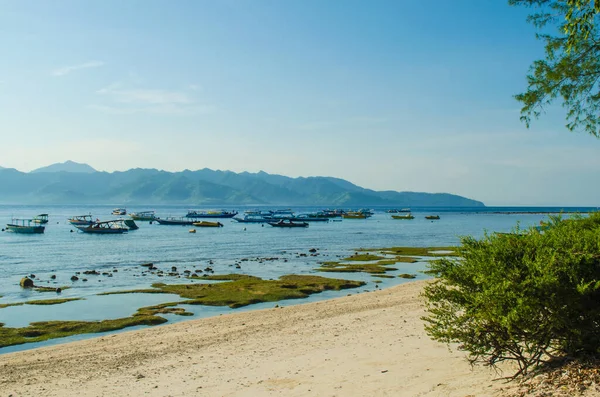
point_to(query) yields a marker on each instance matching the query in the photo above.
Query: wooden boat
(432, 217)
(105, 227)
(173, 221)
(404, 210)
(81, 220)
(24, 226)
(207, 224)
(288, 223)
(143, 216)
(407, 216)
(41, 219)
(354, 215)
(211, 214)
(119, 211)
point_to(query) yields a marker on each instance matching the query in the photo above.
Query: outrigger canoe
(105, 227)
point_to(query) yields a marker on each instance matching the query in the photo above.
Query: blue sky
(391, 95)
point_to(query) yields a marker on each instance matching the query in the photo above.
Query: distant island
(75, 183)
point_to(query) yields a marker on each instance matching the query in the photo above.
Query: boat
(407, 216)
(309, 218)
(432, 217)
(288, 223)
(143, 216)
(41, 219)
(80, 220)
(255, 218)
(25, 226)
(404, 210)
(354, 215)
(171, 220)
(105, 227)
(207, 224)
(211, 214)
(119, 211)
(392, 211)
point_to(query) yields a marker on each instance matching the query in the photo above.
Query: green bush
(530, 296)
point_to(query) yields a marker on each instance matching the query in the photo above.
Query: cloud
(145, 96)
(123, 98)
(164, 109)
(68, 69)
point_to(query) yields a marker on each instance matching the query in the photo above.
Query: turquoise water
(62, 251)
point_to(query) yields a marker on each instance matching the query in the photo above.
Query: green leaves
(571, 69)
(524, 296)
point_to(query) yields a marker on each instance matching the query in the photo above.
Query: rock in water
(26, 282)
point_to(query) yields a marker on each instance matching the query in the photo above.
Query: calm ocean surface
(61, 252)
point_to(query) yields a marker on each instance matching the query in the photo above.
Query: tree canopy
(571, 69)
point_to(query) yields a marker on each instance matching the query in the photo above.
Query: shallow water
(62, 251)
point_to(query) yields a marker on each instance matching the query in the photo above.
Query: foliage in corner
(571, 68)
(529, 296)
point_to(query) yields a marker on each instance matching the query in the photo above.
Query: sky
(389, 94)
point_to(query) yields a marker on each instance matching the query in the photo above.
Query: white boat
(119, 211)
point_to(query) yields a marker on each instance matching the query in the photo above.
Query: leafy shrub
(530, 296)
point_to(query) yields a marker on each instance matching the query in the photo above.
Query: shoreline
(372, 343)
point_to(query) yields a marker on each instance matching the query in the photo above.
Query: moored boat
(288, 223)
(81, 220)
(207, 224)
(41, 219)
(105, 227)
(309, 218)
(354, 215)
(174, 221)
(211, 214)
(119, 211)
(24, 226)
(407, 216)
(432, 217)
(143, 216)
(255, 218)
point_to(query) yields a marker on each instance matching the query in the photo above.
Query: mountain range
(74, 183)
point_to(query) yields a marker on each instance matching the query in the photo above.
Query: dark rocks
(312, 250)
(173, 268)
(26, 282)
(91, 272)
(74, 278)
(147, 265)
(53, 277)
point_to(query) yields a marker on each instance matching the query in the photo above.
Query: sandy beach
(367, 344)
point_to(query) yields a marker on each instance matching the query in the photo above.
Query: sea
(53, 257)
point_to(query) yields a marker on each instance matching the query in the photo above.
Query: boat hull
(213, 216)
(25, 229)
(174, 223)
(286, 224)
(402, 217)
(207, 224)
(92, 230)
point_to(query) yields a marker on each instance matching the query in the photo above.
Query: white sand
(368, 344)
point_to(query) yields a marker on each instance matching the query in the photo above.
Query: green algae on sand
(415, 251)
(40, 302)
(44, 330)
(248, 290)
(239, 290)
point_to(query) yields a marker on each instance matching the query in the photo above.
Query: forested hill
(202, 187)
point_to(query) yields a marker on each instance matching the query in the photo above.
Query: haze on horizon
(390, 94)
